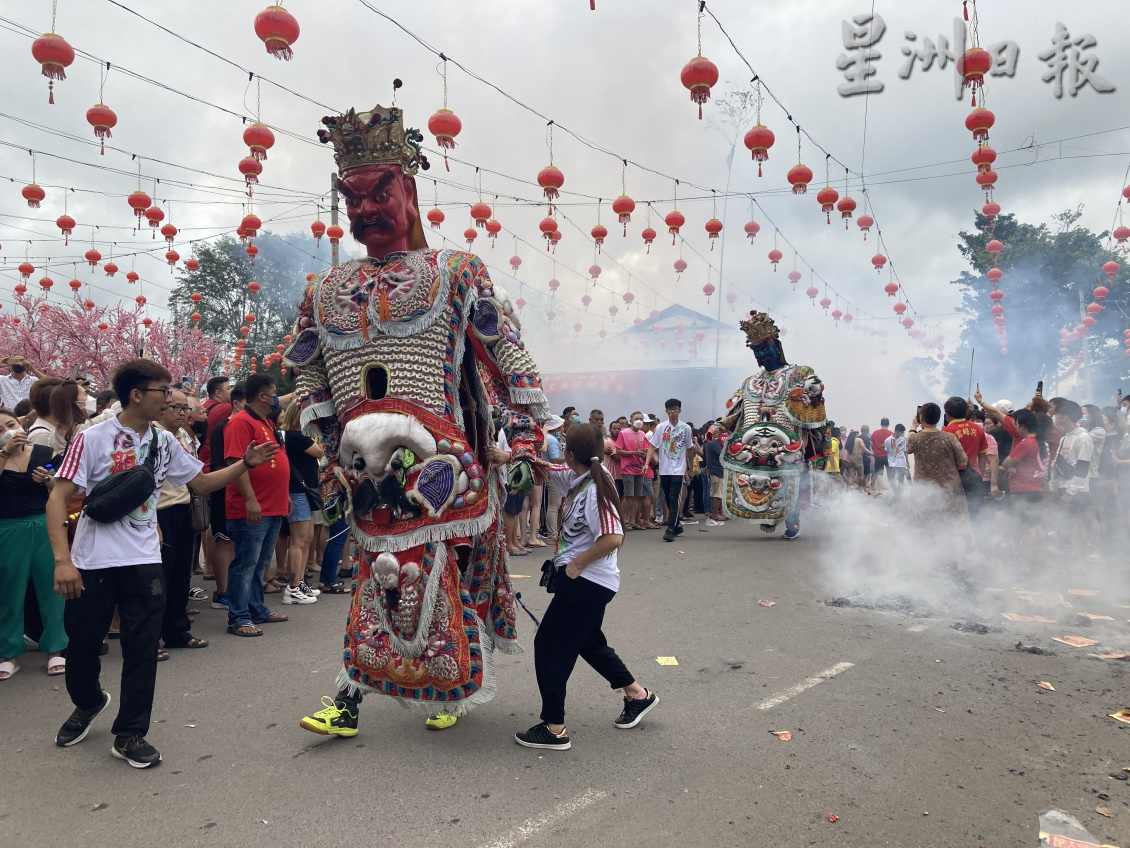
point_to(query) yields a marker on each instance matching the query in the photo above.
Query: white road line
(781, 697)
(530, 827)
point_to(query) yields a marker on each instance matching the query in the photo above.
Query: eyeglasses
(168, 393)
(180, 407)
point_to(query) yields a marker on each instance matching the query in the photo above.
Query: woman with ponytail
(587, 579)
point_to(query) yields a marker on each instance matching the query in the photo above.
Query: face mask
(637, 423)
(200, 428)
(576, 419)
(275, 405)
(91, 405)
(18, 369)
(1084, 421)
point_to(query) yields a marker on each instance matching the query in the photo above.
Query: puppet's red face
(379, 200)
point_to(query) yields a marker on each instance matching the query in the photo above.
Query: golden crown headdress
(376, 137)
(758, 328)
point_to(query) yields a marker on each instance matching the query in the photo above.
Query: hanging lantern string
(827, 169)
(32, 154)
(549, 140)
(103, 72)
(441, 69)
(54, 11)
(701, 6)
(624, 177)
(714, 199)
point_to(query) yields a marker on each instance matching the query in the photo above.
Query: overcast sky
(612, 76)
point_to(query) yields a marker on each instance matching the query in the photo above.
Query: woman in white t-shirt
(587, 579)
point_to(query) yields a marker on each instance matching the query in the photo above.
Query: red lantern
(984, 157)
(110, 268)
(846, 206)
(752, 228)
(1101, 292)
(649, 236)
(825, 302)
(759, 140)
(277, 29)
(252, 251)
(251, 168)
(66, 225)
(253, 287)
(93, 257)
(699, 75)
(837, 315)
(775, 257)
(20, 288)
(169, 232)
(1088, 322)
(811, 292)
(878, 261)
(310, 277)
(991, 210)
(996, 295)
(548, 227)
(553, 286)
(865, 223)
(75, 285)
(994, 247)
(54, 56)
(288, 338)
(594, 272)
(800, 175)
(708, 290)
(103, 326)
(470, 234)
(493, 229)
(249, 318)
(713, 228)
(973, 66)
(243, 331)
(599, 233)
(147, 321)
(260, 139)
(335, 234)
(827, 198)
(155, 216)
(1121, 234)
(140, 300)
(1094, 308)
(987, 179)
(899, 308)
(623, 206)
(628, 298)
(1111, 268)
(680, 266)
(515, 264)
(103, 119)
(191, 264)
(585, 301)
(33, 194)
(280, 348)
(979, 122)
(26, 270)
(133, 276)
(891, 288)
(520, 303)
(445, 125)
(481, 213)
(251, 224)
(794, 277)
(997, 309)
(995, 275)
(435, 218)
(551, 179)
(908, 322)
(674, 220)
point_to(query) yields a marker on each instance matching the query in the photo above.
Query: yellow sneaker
(335, 720)
(440, 722)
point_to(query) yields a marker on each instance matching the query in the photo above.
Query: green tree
(222, 280)
(1045, 268)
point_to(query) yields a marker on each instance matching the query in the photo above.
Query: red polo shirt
(878, 440)
(270, 481)
(972, 439)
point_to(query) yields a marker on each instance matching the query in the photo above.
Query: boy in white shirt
(671, 441)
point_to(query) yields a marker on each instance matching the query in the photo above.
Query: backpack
(120, 494)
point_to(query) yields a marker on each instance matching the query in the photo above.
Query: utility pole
(333, 215)
(1086, 353)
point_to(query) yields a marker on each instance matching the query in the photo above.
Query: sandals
(8, 669)
(162, 655)
(271, 589)
(333, 589)
(248, 630)
(274, 618)
(56, 666)
(197, 594)
(192, 642)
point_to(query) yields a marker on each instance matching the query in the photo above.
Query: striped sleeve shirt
(583, 523)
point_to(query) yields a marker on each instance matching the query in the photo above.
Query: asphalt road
(910, 732)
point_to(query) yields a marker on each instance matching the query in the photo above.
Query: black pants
(177, 550)
(672, 486)
(139, 593)
(571, 629)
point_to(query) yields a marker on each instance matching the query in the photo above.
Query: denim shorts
(514, 503)
(633, 485)
(648, 487)
(301, 508)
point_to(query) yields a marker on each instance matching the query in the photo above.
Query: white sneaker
(710, 522)
(297, 596)
(309, 590)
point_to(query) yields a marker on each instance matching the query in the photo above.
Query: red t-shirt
(269, 481)
(217, 412)
(878, 439)
(972, 439)
(1030, 466)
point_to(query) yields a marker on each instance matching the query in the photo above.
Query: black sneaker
(635, 709)
(75, 728)
(679, 530)
(540, 736)
(668, 536)
(135, 751)
(219, 600)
